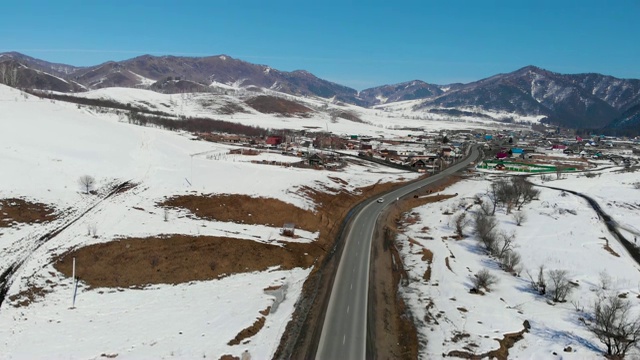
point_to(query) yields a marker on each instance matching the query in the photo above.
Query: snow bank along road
(344, 332)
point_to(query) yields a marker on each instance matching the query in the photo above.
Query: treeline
(93, 102)
(192, 124)
(141, 116)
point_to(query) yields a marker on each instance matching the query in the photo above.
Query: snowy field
(375, 122)
(561, 232)
(616, 192)
(47, 145)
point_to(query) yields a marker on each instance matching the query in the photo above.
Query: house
(502, 155)
(274, 140)
(419, 164)
(316, 160)
(288, 229)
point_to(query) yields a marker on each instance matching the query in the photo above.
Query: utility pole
(74, 284)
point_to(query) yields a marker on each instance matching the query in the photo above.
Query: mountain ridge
(585, 100)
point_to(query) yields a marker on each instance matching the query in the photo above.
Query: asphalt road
(344, 332)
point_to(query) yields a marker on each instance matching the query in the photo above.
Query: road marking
(356, 254)
(351, 287)
(347, 309)
(344, 338)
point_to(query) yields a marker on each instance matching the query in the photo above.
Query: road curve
(344, 331)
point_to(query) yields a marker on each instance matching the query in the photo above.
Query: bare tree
(529, 194)
(14, 77)
(485, 230)
(484, 279)
(460, 222)
(519, 217)
(614, 326)
(92, 230)
(9, 76)
(510, 261)
(505, 243)
(604, 280)
(487, 208)
(86, 182)
(493, 193)
(561, 287)
(4, 69)
(540, 283)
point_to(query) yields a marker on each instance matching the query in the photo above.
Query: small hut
(288, 229)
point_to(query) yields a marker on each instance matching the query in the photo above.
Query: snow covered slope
(561, 232)
(47, 145)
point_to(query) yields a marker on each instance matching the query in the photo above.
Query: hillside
(157, 274)
(511, 319)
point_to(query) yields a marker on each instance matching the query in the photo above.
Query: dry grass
(229, 357)
(14, 210)
(446, 262)
(248, 332)
(28, 296)
(274, 105)
(427, 256)
(245, 209)
(177, 259)
(266, 311)
(501, 353)
(609, 249)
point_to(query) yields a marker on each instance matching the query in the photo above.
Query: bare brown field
(245, 209)
(175, 259)
(274, 105)
(15, 210)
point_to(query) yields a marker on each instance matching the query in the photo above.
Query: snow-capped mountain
(144, 71)
(37, 64)
(410, 90)
(583, 100)
(578, 101)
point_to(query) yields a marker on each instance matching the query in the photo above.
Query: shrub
(484, 279)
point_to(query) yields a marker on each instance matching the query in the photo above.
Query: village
(550, 150)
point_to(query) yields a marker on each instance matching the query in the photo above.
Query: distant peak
(531, 68)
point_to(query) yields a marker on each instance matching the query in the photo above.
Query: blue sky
(359, 44)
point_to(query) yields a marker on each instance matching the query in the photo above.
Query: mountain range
(585, 101)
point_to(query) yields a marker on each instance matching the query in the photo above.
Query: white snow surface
(552, 235)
